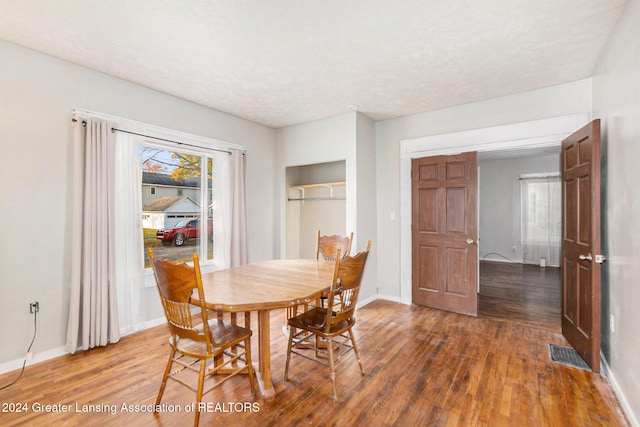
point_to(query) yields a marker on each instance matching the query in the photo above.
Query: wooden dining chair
(326, 250)
(327, 246)
(332, 323)
(195, 340)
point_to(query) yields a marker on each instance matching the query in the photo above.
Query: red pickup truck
(182, 231)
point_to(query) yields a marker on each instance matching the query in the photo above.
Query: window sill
(150, 282)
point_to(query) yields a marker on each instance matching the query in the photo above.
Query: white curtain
(128, 232)
(221, 209)
(541, 220)
(93, 311)
(239, 250)
(107, 278)
(230, 209)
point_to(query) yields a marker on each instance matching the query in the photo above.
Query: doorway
(532, 135)
(508, 288)
(580, 230)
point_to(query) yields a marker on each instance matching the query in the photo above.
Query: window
(171, 224)
(205, 170)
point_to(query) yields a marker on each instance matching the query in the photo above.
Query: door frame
(523, 135)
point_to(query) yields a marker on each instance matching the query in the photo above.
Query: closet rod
(316, 198)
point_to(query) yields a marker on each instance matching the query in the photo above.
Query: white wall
(346, 137)
(500, 215)
(557, 101)
(38, 94)
(616, 100)
(366, 204)
(320, 141)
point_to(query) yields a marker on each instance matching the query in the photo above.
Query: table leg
(264, 356)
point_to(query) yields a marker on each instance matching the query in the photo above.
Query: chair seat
(313, 320)
(333, 323)
(192, 348)
(226, 334)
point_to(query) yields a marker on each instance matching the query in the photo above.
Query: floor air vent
(567, 356)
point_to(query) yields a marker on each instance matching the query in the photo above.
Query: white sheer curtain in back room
(541, 219)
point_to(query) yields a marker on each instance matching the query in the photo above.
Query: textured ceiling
(283, 62)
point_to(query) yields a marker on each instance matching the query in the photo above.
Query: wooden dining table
(262, 287)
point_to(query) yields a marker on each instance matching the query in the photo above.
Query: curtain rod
(539, 177)
(84, 123)
(169, 140)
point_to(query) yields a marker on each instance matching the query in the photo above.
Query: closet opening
(316, 200)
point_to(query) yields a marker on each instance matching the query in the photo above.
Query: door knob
(586, 257)
(470, 242)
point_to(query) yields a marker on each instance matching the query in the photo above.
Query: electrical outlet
(34, 307)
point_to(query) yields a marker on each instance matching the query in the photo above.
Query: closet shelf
(329, 185)
(322, 184)
(294, 199)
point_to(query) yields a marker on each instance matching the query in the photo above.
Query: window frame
(206, 265)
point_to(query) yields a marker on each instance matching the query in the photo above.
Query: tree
(149, 166)
(180, 165)
(188, 166)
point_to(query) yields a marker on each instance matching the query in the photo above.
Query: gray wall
(348, 137)
(499, 200)
(557, 101)
(38, 94)
(616, 100)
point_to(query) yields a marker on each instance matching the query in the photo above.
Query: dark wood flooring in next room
(423, 367)
(520, 293)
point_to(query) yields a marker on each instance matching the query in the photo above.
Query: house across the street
(167, 211)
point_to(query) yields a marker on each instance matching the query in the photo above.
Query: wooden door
(580, 164)
(444, 232)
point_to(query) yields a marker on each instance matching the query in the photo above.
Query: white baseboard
(372, 298)
(493, 258)
(146, 325)
(12, 365)
(626, 407)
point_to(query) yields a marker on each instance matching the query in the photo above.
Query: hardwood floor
(423, 367)
(520, 293)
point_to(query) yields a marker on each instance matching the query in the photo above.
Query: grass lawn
(149, 236)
